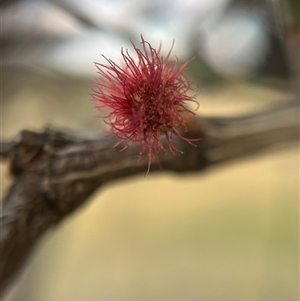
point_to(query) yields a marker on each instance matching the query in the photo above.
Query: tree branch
(55, 171)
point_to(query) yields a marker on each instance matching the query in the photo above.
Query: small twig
(55, 172)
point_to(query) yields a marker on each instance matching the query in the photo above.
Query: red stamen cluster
(145, 99)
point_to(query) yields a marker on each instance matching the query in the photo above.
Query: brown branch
(55, 172)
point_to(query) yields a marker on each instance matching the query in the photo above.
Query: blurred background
(229, 233)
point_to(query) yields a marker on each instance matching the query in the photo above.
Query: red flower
(145, 99)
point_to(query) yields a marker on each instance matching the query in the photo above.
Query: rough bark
(56, 171)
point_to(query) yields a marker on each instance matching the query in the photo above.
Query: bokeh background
(229, 233)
